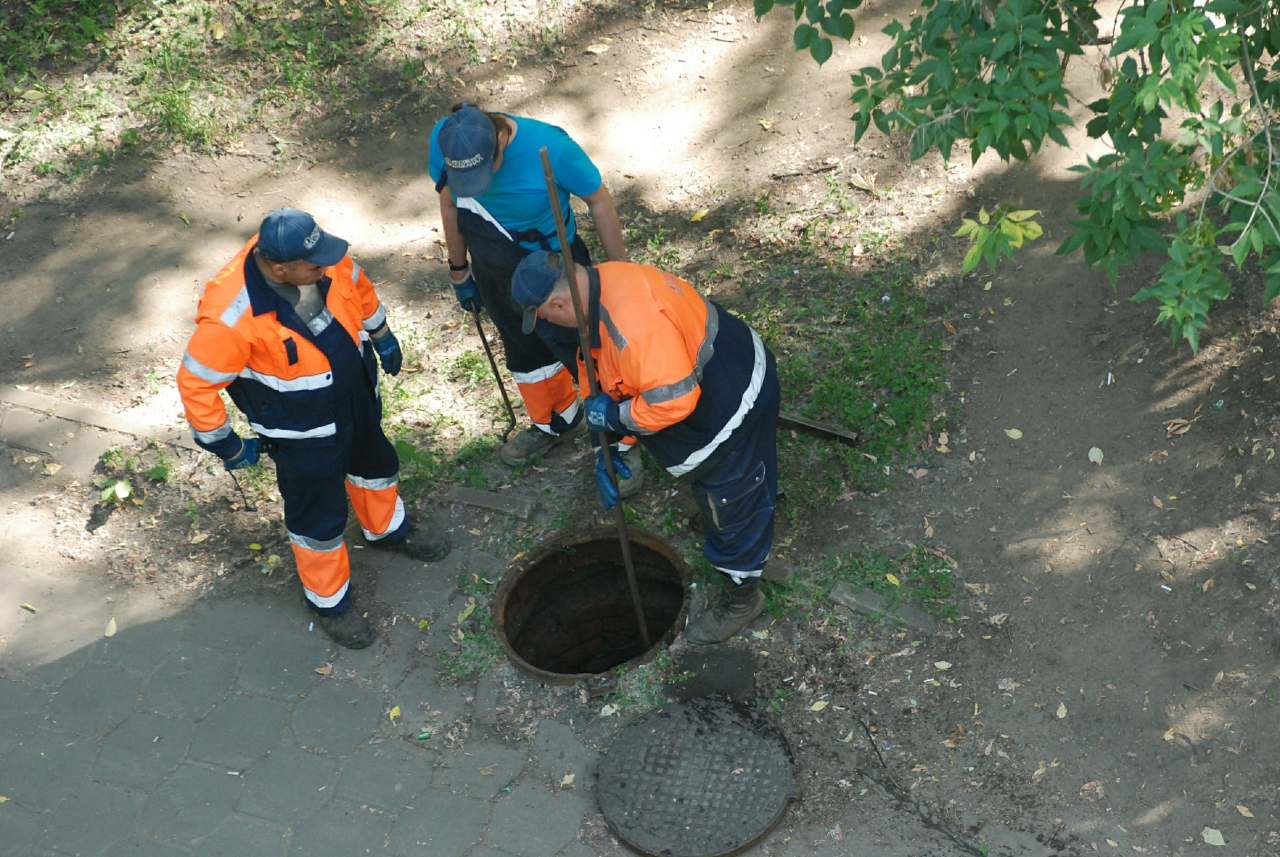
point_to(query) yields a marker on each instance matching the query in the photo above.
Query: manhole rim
(635, 536)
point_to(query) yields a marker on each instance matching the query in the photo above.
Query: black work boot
(348, 629)
(424, 543)
(729, 614)
(533, 440)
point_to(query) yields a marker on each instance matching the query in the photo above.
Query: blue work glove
(467, 293)
(247, 456)
(609, 491)
(389, 353)
(602, 413)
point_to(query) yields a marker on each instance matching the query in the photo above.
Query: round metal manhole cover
(703, 778)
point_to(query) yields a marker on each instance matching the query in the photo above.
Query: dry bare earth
(1149, 625)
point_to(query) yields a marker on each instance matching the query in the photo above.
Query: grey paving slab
(488, 692)
(143, 750)
(240, 836)
(578, 848)
(336, 717)
(34, 665)
(342, 830)
(190, 683)
(536, 820)
(21, 828)
(439, 824)
(239, 731)
(45, 768)
(410, 588)
(94, 820)
(482, 771)
(190, 804)
(147, 848)
(420, 693)
(560, 753)
(95, 700)
(231, 625)
(289, 786)
(488, 851)
(141, 647)
(386, 776)
(283, 663)
(21, 707)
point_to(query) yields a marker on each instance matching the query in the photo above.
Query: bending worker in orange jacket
(289, 329)
(699, 388)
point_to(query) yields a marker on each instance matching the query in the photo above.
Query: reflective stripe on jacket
(685, 371)
(249, 341)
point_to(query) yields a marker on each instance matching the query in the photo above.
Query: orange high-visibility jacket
(274, 373)
(684, 371)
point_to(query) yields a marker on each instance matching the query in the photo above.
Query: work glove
(467, 293)
(602, 413)
(389, 353)
(609, 491)
(247, 456)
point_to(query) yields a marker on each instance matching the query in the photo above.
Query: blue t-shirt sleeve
(435, 161)
(573, 169)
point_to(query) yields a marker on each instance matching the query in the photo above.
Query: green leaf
(820, 48)
(763, 7)
(803, 35)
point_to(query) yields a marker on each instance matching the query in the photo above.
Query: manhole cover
(703, 778)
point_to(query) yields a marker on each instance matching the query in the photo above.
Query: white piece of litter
(311, 626)
(1165, 588)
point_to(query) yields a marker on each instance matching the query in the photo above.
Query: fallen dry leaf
(893, 578)
(596, 49)
(53, 467)
(111, 628)
(327, 669)
(819, 705)
(1207, 585)
(393, 713)
(1212, 836)
(698, 215)
(951, 328)
(1095, 455)
(1014, 433)
(198, 538)
(567, 782)
(1244, 810)
(1154, 499)
(1062, 710)
(1174, 428)
(942, 665)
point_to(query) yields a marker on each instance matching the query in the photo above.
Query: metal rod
(584, 343)
(248, 507)
(497, 376)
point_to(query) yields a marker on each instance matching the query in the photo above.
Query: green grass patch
(853, 350)
(921, 576)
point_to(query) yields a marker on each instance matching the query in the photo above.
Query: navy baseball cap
(533, 282)
(467, 140)
(287, 235)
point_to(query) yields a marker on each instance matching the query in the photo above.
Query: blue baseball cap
(533, 282)
(287, 235)
(467, 140)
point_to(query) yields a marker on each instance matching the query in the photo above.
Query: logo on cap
(466, 163)
(311, 240)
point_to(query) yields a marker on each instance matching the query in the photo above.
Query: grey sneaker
(719, 621)
(533, 440)
(348, 629)
(631, 487)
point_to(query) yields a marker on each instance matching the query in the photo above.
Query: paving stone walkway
(230, 725)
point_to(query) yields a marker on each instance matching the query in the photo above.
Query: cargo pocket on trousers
(731, 505)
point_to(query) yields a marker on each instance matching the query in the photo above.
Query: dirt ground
(1115, 659)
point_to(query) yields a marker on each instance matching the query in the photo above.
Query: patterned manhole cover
(703, 778)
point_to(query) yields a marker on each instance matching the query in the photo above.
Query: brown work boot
(348, 629)
(533, 440)
(631, 487)
(424, 543)
(729, 614)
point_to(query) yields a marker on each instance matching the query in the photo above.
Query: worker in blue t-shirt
(494, 207)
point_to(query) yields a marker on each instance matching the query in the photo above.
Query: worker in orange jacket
(700, 390)
(289, 328)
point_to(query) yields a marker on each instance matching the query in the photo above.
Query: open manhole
(565, 613)
(703, 778)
